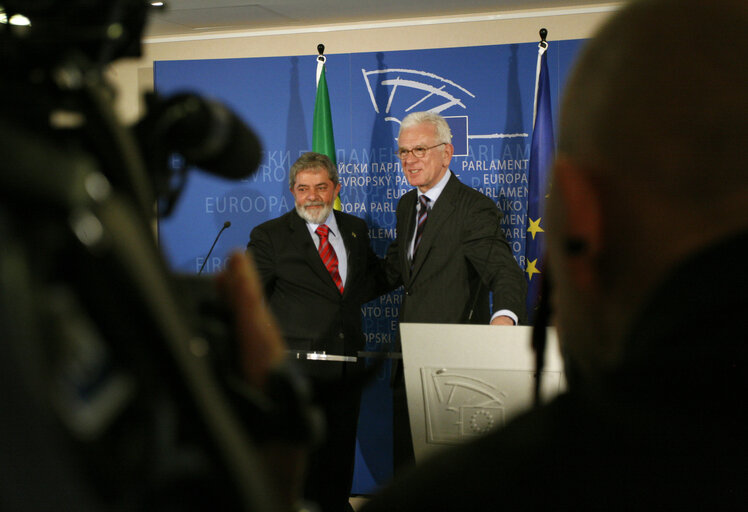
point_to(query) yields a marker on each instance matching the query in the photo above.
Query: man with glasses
(450, 251)
(649, 290)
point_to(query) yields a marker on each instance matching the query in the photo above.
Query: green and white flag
(323, 140)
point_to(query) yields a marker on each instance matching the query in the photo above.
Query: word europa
(246, 204)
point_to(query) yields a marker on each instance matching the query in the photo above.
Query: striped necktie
(423, 213)
(329, 258)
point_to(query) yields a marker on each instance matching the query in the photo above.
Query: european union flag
(541, 158)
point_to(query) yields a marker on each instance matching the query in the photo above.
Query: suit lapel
(351, 249)
(438, 215)
(303, 240)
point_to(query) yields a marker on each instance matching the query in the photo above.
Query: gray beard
(311, 218)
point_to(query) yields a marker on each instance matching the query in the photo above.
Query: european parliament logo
(396, 92)
(462, 403)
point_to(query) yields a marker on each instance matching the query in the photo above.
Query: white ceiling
(192, 17)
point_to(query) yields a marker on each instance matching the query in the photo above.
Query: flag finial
(321, 49)
(543, 34)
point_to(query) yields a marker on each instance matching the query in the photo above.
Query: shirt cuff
(506, 312)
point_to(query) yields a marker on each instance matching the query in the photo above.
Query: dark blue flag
(541, 158)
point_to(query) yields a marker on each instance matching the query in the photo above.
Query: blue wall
(487, 94)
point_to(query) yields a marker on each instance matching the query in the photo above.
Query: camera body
(125, 370)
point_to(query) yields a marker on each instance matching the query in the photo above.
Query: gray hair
(443, 133)
(313, 160)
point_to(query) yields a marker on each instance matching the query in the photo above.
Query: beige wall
(132, 77)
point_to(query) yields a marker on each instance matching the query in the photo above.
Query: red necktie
(329, 258)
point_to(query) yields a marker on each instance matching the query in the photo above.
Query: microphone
(226, 224)
(206, 133)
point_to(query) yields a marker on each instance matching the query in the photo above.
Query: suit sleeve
(392, 260)
(261, 248)
(392, 265)
(377, 282)
(489, 253)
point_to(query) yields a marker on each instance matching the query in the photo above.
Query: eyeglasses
(418, 151)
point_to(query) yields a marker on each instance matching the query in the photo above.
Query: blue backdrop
(486, 92)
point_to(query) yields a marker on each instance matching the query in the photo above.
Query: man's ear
(447, 153)
(582, 229)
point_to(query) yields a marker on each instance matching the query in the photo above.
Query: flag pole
(320, 60)
(323, 140)
(541, 155)
(542, 48)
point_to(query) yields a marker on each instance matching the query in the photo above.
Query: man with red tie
(318, 269)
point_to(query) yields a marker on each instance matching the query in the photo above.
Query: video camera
(116, 381)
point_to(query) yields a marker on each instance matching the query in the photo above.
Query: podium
(465, 380)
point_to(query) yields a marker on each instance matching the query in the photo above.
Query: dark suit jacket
(462, 256)
(311, 312)
(313, 315)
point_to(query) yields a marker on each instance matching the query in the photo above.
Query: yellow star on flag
(535, 227)
(531, 268)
